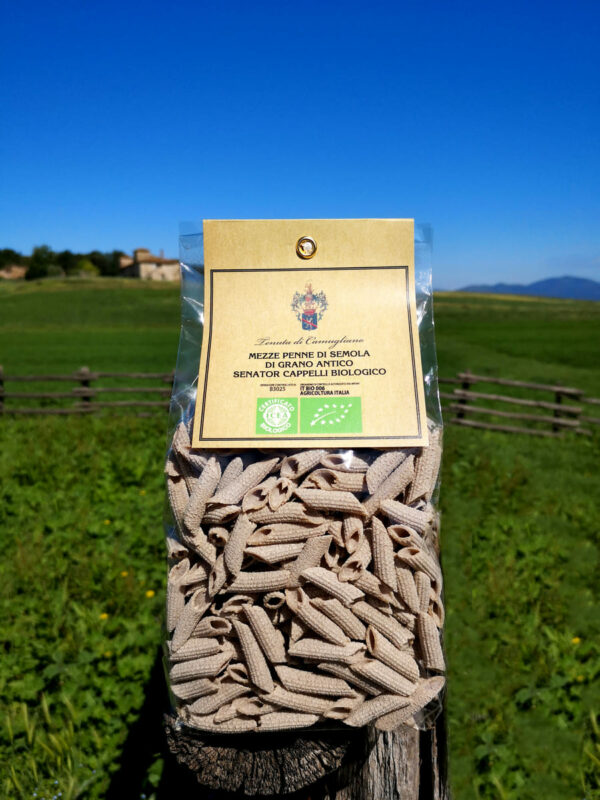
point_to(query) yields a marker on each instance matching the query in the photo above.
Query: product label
(310, 336)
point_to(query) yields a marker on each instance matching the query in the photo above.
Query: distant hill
(568, 288)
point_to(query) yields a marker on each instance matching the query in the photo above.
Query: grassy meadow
(82, 569)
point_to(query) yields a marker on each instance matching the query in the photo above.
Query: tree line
(46, 263)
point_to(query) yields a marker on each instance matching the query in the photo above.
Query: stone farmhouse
(13, 272)
(149, 267)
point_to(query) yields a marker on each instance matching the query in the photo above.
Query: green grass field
(82, 572)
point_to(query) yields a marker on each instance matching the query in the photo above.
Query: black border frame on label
(253, 442)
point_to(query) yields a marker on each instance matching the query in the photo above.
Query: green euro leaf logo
(329, 416)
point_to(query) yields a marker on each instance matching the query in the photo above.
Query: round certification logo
(276, 415)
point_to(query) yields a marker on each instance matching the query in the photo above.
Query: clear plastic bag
(284, 612)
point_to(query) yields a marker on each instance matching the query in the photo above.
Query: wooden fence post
(84, 377)
(465, 386)
(556, 413)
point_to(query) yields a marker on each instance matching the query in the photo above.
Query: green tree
(9, 256)
(42, 257)
(67, 261)
(87, 267)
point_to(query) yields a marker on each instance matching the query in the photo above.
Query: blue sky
(119, 120)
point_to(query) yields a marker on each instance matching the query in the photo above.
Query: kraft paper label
(315, 352)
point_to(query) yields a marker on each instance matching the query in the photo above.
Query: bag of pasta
(304, 583)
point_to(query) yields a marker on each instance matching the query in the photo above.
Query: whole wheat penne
(310, 556)
(250, 477)
(342, 616)
(284, 533)
(373, 709)
(391, 629)
(331, 501)
(353, 531)
(172, 468)
(189, 690)
(346, 462)
(255, 707)
(282, 720)
(407, 589)
(406, 515)
(314, 619)
(212, 626)
(233, 470)
(420, 561)
(274, 553)
(189, 618)
(258, 669)
(423, 588)
(304, 681)
(227, 712)
(383, 650)
(298, 464)
(383, 465)
(280, 493)
(383, 555)
(218, 576)
(204, 488)
(218, 536)
(393, 720)
(429, 643)
(181, 444)
(318, 650)
(238, 673)
(206, 667)
(343, 707)
(356, 563)
(176, 550)
(234, 549)
(178, 499)
(273, 600)
(305, 703)
(346, 593)
(260, 581)
(335, 529)
(332, 558)
(234, 606)
(297, 630)
(196, 647)
(426, 469)
(426, 690)
(381, 674)
(344, 672)
(175, 595)
(405, 618)
(329, 479)
(405, 536)
(210, 703)
(220, 515)
(392, 486)
(207, 723)
(202, 547)
(371, 585)
(257, 497)
(292, 513)
(436, 611)
(269, 638)
(198, 573)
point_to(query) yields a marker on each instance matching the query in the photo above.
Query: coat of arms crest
(309, 307)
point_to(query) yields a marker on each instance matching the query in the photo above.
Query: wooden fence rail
(570, 409)
(565, 402)
(87, 398)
